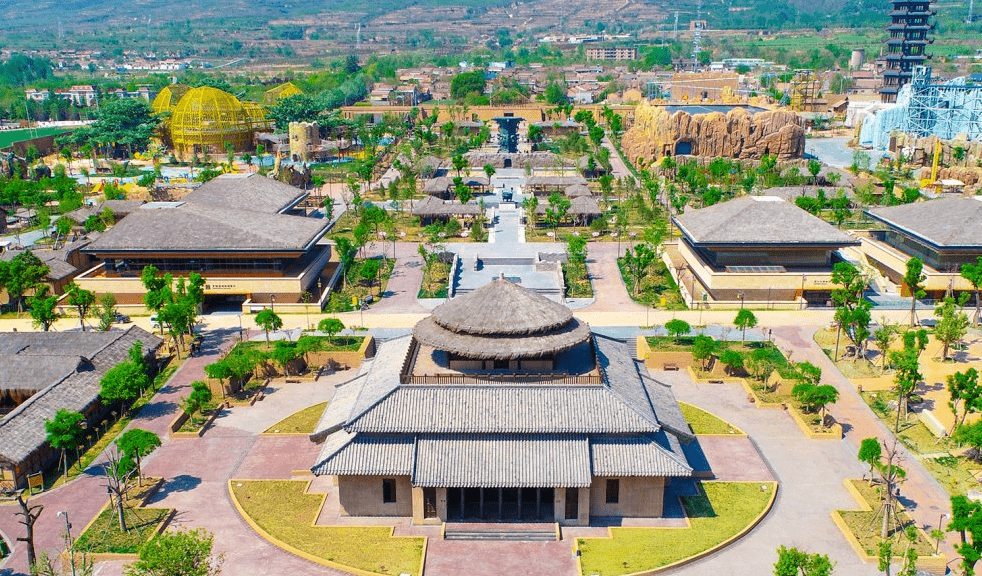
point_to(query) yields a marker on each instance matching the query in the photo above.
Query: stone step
(502, 535)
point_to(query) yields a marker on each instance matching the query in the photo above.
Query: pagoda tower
(910, 30)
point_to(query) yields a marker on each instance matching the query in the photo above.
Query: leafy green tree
(870, 453)
(136, 444)
(952, 326)
(369, 272)
(124, 382)
(467, 83)
(815, 397)
(556, 212)
(196, 401)
(914, 280)
(106, 311)
(973, 273)
(761, 363)
(966, 519)
(183, 553)
(852, 313)
(127, 123)
(970, 435)
(330, 326)
(733, 361)
(346, 255)
(44, 311)
(677, 328)
(809, 373)
(65, 432)
(81, 299)
(489, 171)
(295, 108)
(965, 395)
(703, 348)
(794, 562)
(906, 378)
(556, 93)
(269, 322)
(22, 274)
(744, 319)
(884, 336)
(638, 263)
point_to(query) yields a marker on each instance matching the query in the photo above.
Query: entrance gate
(501, 504)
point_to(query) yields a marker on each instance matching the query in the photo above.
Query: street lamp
(272, 302)
(71, 543)
(941, 519)
(240, 327)
(741, 295)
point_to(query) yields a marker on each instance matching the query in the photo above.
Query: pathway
(610, 294)
(619, 170)
(83, 497)
(407, 277)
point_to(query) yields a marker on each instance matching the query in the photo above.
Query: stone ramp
(502, 532)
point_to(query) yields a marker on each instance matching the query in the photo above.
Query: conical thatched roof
(502, 321)
(502, 308)
(577, 190)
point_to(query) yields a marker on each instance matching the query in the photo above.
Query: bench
(292, 380)
(670, 366)
(715, 381)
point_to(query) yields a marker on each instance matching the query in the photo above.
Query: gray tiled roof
(252, 192)
(620, 374)
(36, 372)
(947, 222)
(502, 409)
(635, 456)
(338, 409)
(22, 431)
(383, 376)
(345, 453)
(209, 228)
(666, 407)
(759, 220)
(493, 461)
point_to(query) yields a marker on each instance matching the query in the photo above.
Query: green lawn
(865, 525)
(105, 536)
(8, 137)
(302, 422)
(286, 512)
(703, 422)
(436, 280)
(721, 512)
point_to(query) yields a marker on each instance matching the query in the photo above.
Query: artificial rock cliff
(736, 134)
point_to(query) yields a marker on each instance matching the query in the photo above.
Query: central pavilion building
(501, 406)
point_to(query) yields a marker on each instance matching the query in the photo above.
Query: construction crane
(928, 182)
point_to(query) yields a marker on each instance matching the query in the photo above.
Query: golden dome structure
(206, 118)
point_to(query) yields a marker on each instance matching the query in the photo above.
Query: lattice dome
(168, 97)
(282, 91)
(206, 118)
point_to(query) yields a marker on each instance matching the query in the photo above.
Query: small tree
(884, 336)
(809, 373)
(136, 444)
(117, 485)
(744, 319)
(733, 361)
(490, 171)
(914, 278)
(677, 328)
(966, 518)
(973, 273)
(965, 394)
(269, 321)
(870, 453)
(184, 553)
(905, 379)
(330, 326)
(44, 311)
(815, 398)
(638, 263)
(369, 272)
(703, 348)
(196, 401)
(82, 300)
(106, 311)
(794, 562)
(952, 326)
(64, 432)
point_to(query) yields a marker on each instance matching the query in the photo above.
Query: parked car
(121, 318)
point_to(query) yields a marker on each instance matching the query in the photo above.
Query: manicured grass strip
(104, 534)
(286, 512)
(703, 422)
(8, 137)
(723, 511)
(302, 422)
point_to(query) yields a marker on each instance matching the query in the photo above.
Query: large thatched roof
(502, 321)
(577, 190)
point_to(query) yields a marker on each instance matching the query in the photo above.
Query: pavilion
(501, 406)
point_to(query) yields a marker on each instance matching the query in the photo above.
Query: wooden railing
(450, 379)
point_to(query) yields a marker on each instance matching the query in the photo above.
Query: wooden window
(613, 490)
(388, 490)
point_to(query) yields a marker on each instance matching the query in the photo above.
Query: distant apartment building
(81, 95)
(142, 92)
(611, 53)
(37, 95)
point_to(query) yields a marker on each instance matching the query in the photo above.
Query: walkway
(619, 170)
(83, 497)
(403, 287)
(610, 294)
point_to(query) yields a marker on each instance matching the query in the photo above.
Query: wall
(362, 496)
(583, 509)
(639, 498)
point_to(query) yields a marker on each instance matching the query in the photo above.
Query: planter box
(833, 432)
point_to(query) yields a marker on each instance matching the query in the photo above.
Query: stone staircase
(502, 532)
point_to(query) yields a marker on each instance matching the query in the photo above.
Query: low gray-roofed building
(249, 191)
(24, 449)
(431, 208)
(549, 184)
(505, 428)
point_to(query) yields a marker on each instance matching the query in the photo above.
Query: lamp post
(941, 519)
(71, 543)
(240, 327)
(272, 302)
(741, 295)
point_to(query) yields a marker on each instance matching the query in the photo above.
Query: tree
(884, 336)
(184, 553)
(733, 361)
(29, 516)
(870, 453)
(196, 401)
(970, 435)
(703, 348)
(466, 84)
(117, 484)
(914, 278)
(966, 518)
(44, 311)
(794, 562)
(64, 432)
(809, 373)
(21, 274)
(638, 263)
(677, 328)
(761, 363)
(973, 273)
(136, 444)
(905, 379)
(295, 108)
(814, 167)
(559, 206)
(106, 311)
(81, 299)
(966, 395)
(952, 326)
(369, 271)
(744, 319)
(123, 383)
(852, 310)
(127, 123)
(330, 326)
(269, 322)
(489, 171)
(815, 397)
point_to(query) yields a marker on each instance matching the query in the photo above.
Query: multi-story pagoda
(909, 29)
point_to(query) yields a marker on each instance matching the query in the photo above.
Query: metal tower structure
(943, 110)
(910, 30)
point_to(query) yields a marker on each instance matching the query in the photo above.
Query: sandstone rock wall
(736, 134)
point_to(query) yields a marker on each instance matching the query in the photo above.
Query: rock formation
(736, 134)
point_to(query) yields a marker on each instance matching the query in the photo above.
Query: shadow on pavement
(182, 483)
